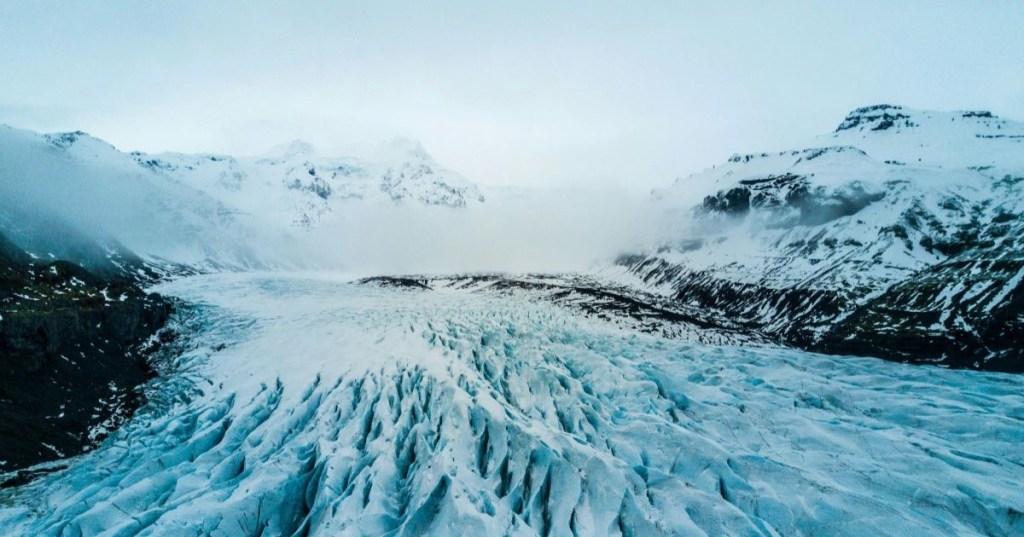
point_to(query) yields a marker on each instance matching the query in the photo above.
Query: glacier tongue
(306, 405)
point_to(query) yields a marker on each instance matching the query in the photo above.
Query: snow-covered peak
(882, 117)
(877, 143)
(877, 117)
(302, 186)
(77, 141)
(74, 197)
(894, 201)
(401, 148)
(80, 145)
(957, 139)
(390, 152)
(883, 190)
(292, 150)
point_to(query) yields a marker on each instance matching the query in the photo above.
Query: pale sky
(530, 93)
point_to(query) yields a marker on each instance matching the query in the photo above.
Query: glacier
(302, 404)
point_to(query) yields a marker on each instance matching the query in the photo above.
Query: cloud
(520, 231)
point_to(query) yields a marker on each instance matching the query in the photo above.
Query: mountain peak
(882, 117)
(401, 146)
(295, 148)
(878, 117)
(65, 139)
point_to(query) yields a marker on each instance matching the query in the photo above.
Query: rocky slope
(898, 236)
(70, 355)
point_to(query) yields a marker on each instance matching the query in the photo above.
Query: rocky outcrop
(878, 117)
(966, 312)
(963, 313)
(71, 361)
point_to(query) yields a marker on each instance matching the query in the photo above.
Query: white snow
(296, 186)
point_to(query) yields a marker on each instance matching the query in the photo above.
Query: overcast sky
(607, 93)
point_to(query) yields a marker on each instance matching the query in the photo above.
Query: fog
(542, 231)
(45, 197)
(75, 203)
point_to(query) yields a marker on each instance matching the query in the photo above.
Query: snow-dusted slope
(74, 197)
(314, 407)
(298, 187)
(896, 235)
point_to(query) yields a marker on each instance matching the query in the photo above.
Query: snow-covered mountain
(302, 188)
(309, 404)
(74, 197)
(896, 235)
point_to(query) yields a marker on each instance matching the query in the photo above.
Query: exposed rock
(879, 117)
(70, 356)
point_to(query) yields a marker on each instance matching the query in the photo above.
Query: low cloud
(525, 231)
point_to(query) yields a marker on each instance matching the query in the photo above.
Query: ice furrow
(348, 410)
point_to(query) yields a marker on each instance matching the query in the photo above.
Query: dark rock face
(64, 140)
(966, 312)
(788, 315)
(396, 282)
(735, 201)
(879, 117)
(315, 185)
(790, 194)
(70, 358)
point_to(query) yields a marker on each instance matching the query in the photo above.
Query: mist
(77, 203)
(542, 231)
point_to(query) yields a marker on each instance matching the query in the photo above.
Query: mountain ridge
(827, 246)
(76, 197)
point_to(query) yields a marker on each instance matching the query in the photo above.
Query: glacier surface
(307, 405)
